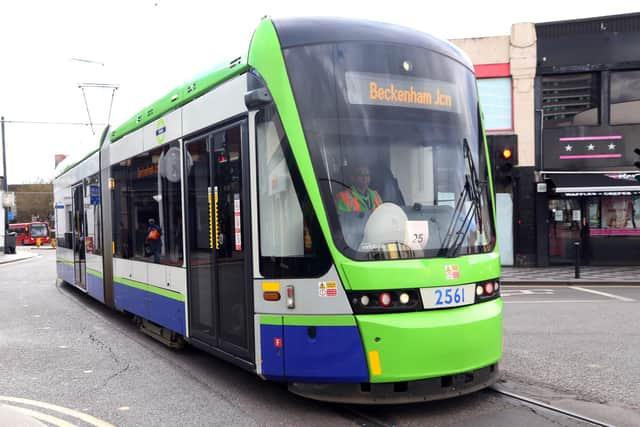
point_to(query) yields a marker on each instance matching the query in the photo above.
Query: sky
(61, 60)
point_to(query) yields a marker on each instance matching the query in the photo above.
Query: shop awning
(594, 183)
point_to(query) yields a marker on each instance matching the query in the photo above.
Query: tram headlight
(404, 298)
(364, 300)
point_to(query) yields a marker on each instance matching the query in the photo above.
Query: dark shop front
(587, 127)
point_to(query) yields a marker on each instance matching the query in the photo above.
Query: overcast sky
(148, 47)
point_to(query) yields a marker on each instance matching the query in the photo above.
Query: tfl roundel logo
(161, 131)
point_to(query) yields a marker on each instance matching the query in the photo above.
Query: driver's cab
(411, 217)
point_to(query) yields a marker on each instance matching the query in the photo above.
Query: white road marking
(49, 419)
(527, 292)
(550, 301)
(604, 294)
(70, 412)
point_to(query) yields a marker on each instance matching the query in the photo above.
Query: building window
(625, 97)
(571, 100)
(495, 100)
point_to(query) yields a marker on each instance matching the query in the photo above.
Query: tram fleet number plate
(449, 296)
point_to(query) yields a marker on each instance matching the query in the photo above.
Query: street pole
(4, 170)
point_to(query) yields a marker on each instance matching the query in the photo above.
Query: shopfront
(587, 100)
(600, 212)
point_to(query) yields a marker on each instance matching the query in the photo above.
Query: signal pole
(4, 171)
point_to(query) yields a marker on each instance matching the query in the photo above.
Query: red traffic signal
(506, 153)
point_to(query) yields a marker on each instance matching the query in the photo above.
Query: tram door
(217, 224)
(78, 233)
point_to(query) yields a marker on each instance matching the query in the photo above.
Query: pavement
(566, 275)
(23, 252)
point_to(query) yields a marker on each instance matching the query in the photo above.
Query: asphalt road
(59, 347)
(576, 346)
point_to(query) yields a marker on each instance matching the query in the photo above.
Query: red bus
(29, 232)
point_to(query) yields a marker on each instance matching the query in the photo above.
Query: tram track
(538, 404)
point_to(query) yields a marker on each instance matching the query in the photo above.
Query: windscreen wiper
(461, 219)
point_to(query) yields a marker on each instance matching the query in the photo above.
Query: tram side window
(148, 187)
(625, 97)
(68, 236)
(291, 241)
(93, 240)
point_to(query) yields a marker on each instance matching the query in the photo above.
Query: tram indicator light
(506, 153)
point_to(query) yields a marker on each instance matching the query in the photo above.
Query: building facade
(574, 94)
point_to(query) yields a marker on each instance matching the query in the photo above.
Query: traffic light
(504, 157)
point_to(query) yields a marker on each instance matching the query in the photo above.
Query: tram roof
(295, 32)
(291, 32)
(181, 95)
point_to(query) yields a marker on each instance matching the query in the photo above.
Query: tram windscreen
(396, 146)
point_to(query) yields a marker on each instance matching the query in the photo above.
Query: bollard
(38, 242)
(577, 266)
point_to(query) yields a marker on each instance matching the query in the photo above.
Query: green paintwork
(265, 55)
(68, 168)
(95, 273)
(428, 344)
(148, 288)
(345, 320)
(420, 273)
(181, 96)
(64, 261)
(268, 319)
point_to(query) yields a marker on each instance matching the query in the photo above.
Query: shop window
(614, 216)
(625, 97)
(571, 100)
(495, 100)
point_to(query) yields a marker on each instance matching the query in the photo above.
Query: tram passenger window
(291, 241)
(93, 240)
(148, 186)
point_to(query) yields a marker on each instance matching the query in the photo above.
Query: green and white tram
(325, 211)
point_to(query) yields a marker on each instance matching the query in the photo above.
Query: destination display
(401, 91)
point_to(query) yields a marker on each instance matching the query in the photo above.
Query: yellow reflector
(392, 248)
(271, 296)
(374, 362)
(270, 286)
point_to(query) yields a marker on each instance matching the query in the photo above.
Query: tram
(324, 213)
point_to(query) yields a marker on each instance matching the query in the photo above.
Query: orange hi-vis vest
(353, 203)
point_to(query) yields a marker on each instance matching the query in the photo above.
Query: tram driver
(359, 197)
